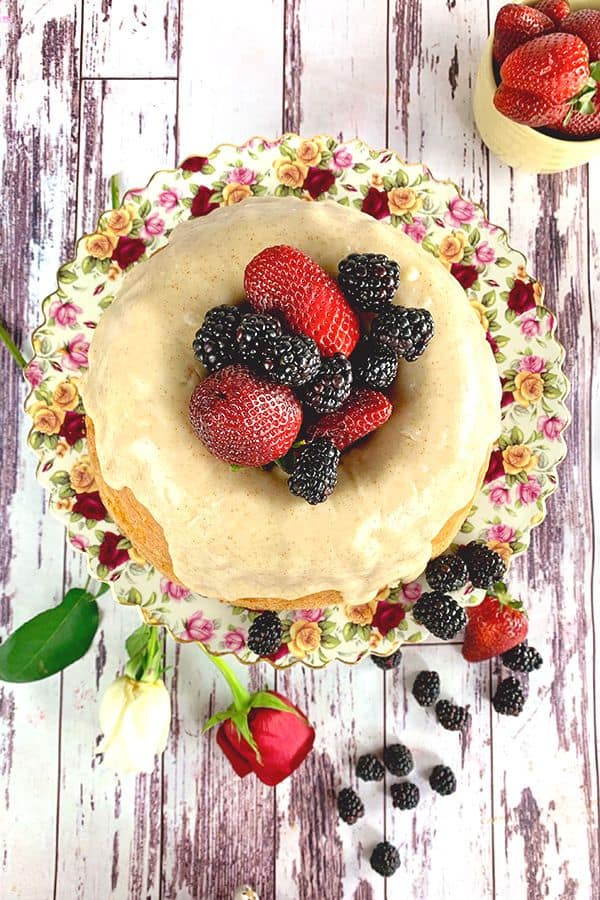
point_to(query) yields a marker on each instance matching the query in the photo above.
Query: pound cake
(238, 533)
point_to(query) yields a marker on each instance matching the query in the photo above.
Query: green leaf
(138, 640)
(134, 596)
(474, 237)
(360, 168)
(329, 641)
(502, 262)
(401, 178)
(144, 209)
(88, 265)
(217, 719)
(50, 641)
(266, 700)
(66, 275)
(104, 587)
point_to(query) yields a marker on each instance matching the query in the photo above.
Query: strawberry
(554, 66)
(582, 125)
(495, 626)
(283, 279)
(585, 23)
(244, 419)
(362, 413)
(557, 10)
(515, 25)
(528, 109)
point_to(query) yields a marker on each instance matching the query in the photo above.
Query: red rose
(90, 506)
(194, 163)
(465, 275)
(492, 342)
(73, 428)
(283, 739)
(128, 251)
(110, 555)
(387, 616)
(520, 298)
(318, 181)
(202, 204)
(495, 468)
(376, 204)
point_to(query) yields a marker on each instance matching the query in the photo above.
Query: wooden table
(94, 87)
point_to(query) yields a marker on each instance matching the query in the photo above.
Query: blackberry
(369, 280)
(509, 698)
(439, 614)
(331, 386)
(374, 366)
(385, 859)
(253, 331)
(387, 662)
(350, 806)
(451, 717)
(314, 475)
(485, 566)
(446, 573)
(404, 330)
(442, 780)
(426, 688)
(291, 359)
(214, 344)
(405, 795)
(398, 759)
(369, 768)
(264, 636)
(522, 658)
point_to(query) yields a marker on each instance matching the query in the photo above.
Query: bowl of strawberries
(537, 93)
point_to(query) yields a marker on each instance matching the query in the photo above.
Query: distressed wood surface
(94, 87)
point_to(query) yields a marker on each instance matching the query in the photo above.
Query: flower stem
(241, 697)
(12, 347)
(114, 191)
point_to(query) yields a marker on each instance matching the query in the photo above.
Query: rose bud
(262, 733)
(135, 718)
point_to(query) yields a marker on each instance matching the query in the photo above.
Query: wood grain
(163, 80)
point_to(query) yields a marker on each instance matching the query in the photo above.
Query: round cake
(238, 534)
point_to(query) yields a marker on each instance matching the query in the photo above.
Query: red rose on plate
(73, 428)
(495, 467)
(128, 251)
(202, 204)
(318, 181)
(465, 275)
(283, 737)
(521, 297)
(110, 554)
(376, 204)
(90, 506)
(194, 163)
(387, 616)
(492, 342)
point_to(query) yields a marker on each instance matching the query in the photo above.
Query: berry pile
(289, 373)
(547, 61)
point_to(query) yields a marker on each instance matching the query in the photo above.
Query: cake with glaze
(239, 535)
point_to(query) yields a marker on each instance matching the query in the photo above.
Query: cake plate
(507, 300)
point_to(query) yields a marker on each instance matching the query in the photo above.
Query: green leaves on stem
(52, 640)
(145, 654)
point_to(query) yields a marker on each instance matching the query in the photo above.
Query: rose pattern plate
(508, 302)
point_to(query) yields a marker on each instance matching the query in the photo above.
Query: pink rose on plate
(460, 211)
(529, 491)
(197, 628)
(168, 199)
(499, 496)
(64, 313)
(531, 327)
(308, 615)
(33, 373)
(412, 591)
(485, 253)
(532, 363)
(417, 229)
(550, 426)
(503, 533)
(79, 542)
(153, 226)
(173, 590)
(241, 175)
(76, 352)
(342, 158)
(235, 640)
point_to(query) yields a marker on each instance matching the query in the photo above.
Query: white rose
(245, 893)
(135, 718)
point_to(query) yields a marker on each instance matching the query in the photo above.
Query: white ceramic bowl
(518, 145)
